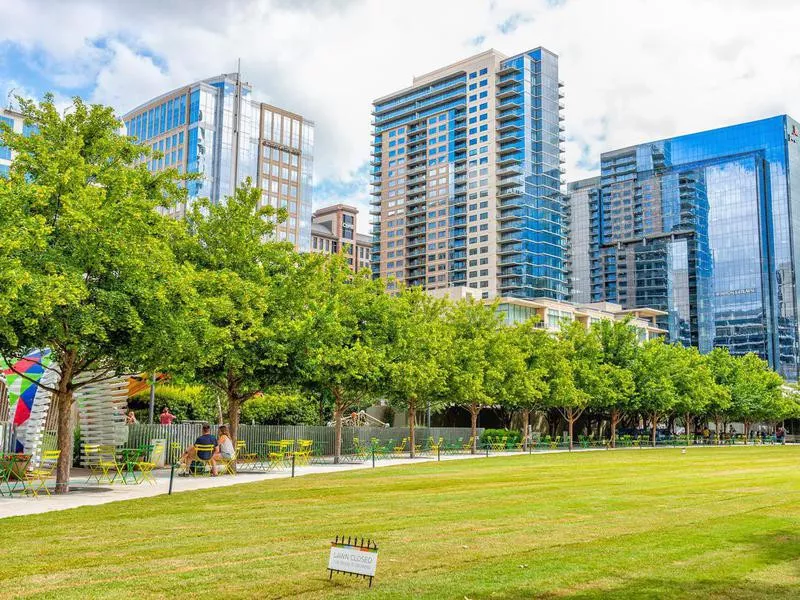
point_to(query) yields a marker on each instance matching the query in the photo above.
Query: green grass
(713, 523)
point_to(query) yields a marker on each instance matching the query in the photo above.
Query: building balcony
(509, 91)
(509, 159)
(506, 126)
(506, 115)
(508, 70)
(504, 226)
(510, 283)
(510, 170)
(509, 104)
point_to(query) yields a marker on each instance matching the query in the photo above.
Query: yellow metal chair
(91, 454)
(244, 458)
(402, 447)
(175, 451)
(36, 479)
(204, 462)
(227, 465)
(302, 456)
(468, 446)
(146, 467)
(109, 468)
(277, 457)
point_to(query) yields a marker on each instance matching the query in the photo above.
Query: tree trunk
(526, 413)
(412, 421)
(686, 424)
(234, 412)
(338, 409)
(571, 422)
(747, 426)
(63, 403)
(614, 421)
(474, 409)
(716, 426)
(654, 423)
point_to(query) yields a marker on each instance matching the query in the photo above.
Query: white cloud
(634, 69)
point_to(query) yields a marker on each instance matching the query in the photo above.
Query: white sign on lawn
(350, 559)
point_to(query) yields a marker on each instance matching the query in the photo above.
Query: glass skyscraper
(213, 127)
(704, 226)
(467, 175)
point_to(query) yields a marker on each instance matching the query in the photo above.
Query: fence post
(292, 464)
(373, 458)
(438, 453)
(487, 450)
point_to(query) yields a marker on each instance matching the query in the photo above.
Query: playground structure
(100, 406)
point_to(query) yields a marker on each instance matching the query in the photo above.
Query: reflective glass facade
(466, 176)
(702, 226)
(214, 127)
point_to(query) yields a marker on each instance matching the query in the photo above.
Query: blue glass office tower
(467, 175)
(214, 127)
(704, 226)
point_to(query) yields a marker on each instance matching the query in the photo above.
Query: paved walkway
(83, 494)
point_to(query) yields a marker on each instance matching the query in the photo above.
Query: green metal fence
(323, 437)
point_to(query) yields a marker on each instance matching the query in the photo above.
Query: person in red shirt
(166, 417)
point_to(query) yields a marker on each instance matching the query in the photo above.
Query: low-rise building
(334, 229)
(552, 313)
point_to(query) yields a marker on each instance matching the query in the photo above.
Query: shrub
(186, 402)
(279, 408)
(512, 435)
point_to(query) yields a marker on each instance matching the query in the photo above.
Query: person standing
(780, 435)
(166, 417)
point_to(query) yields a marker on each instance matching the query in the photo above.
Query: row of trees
(93, 269)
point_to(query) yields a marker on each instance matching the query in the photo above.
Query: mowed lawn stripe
(682, 525)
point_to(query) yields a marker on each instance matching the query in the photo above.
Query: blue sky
(634, 69)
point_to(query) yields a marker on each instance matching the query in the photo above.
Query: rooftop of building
(325, 210)
(454, 69)
(208, 81)
(628, 149)
(11, 112)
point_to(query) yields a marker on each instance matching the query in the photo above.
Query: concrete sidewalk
(83, 494)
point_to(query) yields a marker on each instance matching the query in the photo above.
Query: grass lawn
(713, 523)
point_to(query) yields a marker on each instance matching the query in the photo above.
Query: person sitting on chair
(206, 439)
(225, 448)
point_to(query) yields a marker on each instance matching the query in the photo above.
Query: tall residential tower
(467, 175)
(213, 127)
(704, 227)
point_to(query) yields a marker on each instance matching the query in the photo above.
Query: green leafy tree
(417, 354)
(755, 392)
(615, 393)
(345, 338)
(94, 276)
(582, 351)
(474, 367)
(248, 315)
(693, 383)
(723, 369)
(655, 389)
(525, 385)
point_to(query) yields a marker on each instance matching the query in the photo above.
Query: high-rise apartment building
(335, 229)
(467, 175)
(214, 127)
(704, 227)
